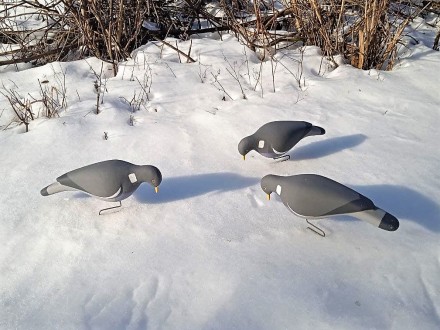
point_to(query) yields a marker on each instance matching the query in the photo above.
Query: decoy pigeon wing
(105, 179)
(283, 135)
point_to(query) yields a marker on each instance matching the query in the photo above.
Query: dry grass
(366, 33)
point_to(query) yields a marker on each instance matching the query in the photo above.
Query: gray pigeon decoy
(314, 196)
(110, 180)
(274, 139)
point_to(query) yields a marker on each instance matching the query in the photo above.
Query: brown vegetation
(366, 33)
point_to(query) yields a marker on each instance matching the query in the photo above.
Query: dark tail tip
(44, 192)
(321, 129)
(316, 130)
(389, 222)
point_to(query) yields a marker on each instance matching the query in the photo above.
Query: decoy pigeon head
(246, 144)
(149, 174)
(269, 184)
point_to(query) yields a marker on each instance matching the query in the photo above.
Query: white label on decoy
(132, 177)
(261, 144)
(279, 190)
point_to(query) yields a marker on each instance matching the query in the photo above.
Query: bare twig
(189, 58)
(234, 72)
(219, 85)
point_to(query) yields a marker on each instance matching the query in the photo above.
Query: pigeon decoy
(314, 196)
(274, 139)
(110, 180)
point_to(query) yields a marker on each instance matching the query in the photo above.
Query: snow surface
(209, 251)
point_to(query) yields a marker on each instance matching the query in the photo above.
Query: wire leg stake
(111, 208)
(280, 158)
(316, 229)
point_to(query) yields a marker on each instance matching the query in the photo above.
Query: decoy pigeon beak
(268, 197)
(244, 157)
(156, 189)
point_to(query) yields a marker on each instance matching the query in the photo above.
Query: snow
(209, 251)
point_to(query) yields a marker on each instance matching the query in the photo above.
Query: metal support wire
(111, 208)
(316, 229)
(280, 158)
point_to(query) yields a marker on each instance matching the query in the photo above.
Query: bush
(366, 33)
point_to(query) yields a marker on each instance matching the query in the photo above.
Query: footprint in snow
(255, 200)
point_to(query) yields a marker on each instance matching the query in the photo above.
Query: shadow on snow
(184, 187)
(326, 147)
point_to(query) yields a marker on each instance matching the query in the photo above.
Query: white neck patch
(132, 177)
(261, 144)
(278, 190)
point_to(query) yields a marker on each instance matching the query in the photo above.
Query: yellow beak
(268, 197)
(244, 157)
(156, 189)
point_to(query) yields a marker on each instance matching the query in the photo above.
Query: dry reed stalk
(360, 59)
(436, 41)
(316, 10)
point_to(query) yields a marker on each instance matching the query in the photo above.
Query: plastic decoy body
(314, 196)
(110, 180)
(276, 138)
